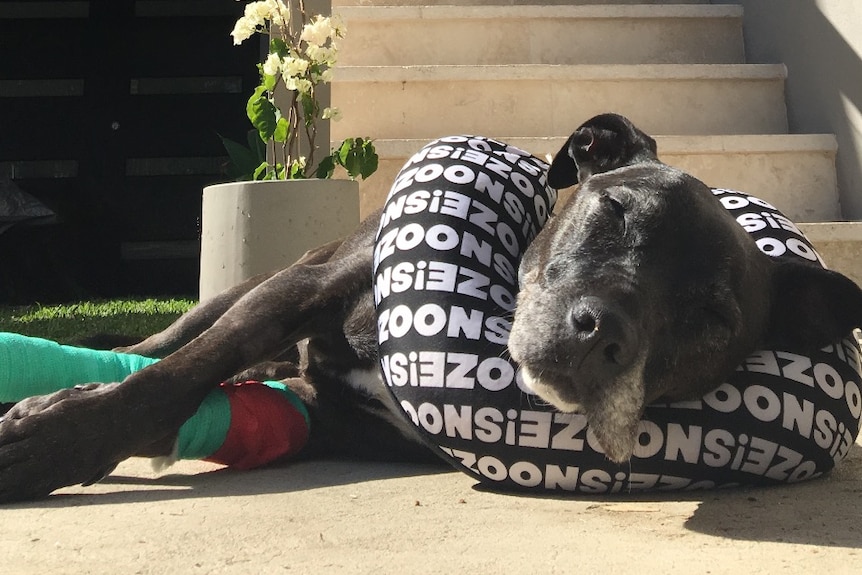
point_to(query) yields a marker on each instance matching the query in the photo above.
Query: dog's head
(645, 287)
(602, 143)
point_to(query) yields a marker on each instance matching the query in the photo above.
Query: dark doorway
(110, 114)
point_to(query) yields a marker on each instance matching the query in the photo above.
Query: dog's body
(607, 321)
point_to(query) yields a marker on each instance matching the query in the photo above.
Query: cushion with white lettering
(458, 217)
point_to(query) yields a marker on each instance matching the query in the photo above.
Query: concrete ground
(347, 517)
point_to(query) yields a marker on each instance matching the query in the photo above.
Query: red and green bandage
(243, 426)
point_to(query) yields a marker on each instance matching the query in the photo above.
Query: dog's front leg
(201, 317)
(194, 322)
(75, 436)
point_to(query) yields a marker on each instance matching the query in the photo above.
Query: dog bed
(445, 284)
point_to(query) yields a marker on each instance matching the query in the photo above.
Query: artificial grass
(77, 322)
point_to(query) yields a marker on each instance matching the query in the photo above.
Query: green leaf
(296, 172)
(282, 128)
(370, 160)
(310, 108)
(279, 46)
(358, 156)
(269, 82)
(256, 144)
(344, 151)
(243, 161)
(326, 167)
(262, 113)
(259, 92)
(261, 172)
(353, 164)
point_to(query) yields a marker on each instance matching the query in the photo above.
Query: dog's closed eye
(616, 206)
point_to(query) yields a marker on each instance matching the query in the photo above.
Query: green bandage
(33, 366)
(204, 432)
(243, 425)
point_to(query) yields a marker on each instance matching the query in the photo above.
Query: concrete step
(336, 3)
(550, 100)
(421, 35)
(796, 173)
(839, 244)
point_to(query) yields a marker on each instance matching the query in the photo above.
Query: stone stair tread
(411, 35)
(660, 98)
(783, 169)
(464, 3)
(839, 243)
(838, 230)
(550, 72)
(520, 11)
(667, 144)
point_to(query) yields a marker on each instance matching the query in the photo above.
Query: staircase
(530, 73)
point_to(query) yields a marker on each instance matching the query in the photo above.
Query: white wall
(820, 41)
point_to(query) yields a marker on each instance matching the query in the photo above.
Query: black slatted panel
(111, 113)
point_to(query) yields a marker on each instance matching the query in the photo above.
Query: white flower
(258, 10)
(303, 86)
(300, 85)
(256, 16)
(322, 77)
(272, 65)
(295, 66)
(279, 14)
(318, 31)
(339, 28)
(333, 114)
(321, 55)
(243, 30)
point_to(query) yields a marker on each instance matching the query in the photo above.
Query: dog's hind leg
(193, 322)
(74, 436)
(201, 317)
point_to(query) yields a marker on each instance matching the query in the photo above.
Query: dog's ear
(651, 144)
(602, 143)
(571, 162)
(564, 170)
(811, 306)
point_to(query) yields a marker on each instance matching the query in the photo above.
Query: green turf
(69, 323)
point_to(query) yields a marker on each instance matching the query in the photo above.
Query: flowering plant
(302, 53)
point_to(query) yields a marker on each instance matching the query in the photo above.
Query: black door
(110, 114)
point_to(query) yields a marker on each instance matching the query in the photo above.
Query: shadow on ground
(823, 512)
(224, 482)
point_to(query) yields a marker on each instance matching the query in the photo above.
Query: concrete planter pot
(249, 228)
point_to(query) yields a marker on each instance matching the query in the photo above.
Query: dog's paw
(50, 441)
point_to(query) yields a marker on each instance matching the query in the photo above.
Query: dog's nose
(602, 335)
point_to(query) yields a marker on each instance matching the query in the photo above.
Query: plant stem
(302, 12)
(293, 151)
(311, 134)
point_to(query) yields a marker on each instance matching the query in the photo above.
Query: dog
(642, 287)
(664, 292)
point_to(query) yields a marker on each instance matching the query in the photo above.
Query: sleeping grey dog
(641, 287)
(644, 287)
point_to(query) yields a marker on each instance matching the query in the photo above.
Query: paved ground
(338, 517)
